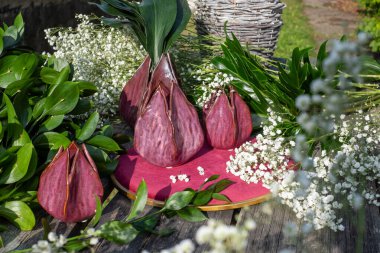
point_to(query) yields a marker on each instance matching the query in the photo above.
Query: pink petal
(188, 131)
(84, 186)
(154, 133)
(132, 94)
(52, 191)
(243, 117)
(221, 124)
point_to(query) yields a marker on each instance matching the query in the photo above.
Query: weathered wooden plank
(154, 243)
(268, 236)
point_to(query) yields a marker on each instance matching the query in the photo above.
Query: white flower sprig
(104, 55)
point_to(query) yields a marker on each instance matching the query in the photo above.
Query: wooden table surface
(267, 237)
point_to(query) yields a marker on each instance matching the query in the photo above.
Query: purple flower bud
(228, 121)
(167, 131)
(69, 185)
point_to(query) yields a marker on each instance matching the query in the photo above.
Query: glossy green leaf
(107, 130)
(159, 18)
(83, 106)
(103, 162)
(182, 18)
(98, 213)
(19, 214)
(52, 76)
(19, 168)
(51, 123)
(221, 185)
(62, 100)
(22, 108)
(209, 179)
(118, 232)
(179, 200)
(89, 127)
(16, 135)
(18, 86)
(221, 197)
(51, 140)
(104, 142)
(1, 45)
(140, 201)
(32, 166)
(19, 23)
(203, 197)
(13, 68)
(38, 108)
(192, 214)
(87, 88)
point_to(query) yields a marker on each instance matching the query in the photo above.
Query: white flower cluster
(106, 56)
(185, 246)
(219, 237)
(266, 159)
(180, 177)
(209, 82)
(338, 179)
(53, 243)
(224, 238)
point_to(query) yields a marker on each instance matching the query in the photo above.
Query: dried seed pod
(227, 120)
(69, 185)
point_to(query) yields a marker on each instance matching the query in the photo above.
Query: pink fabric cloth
(132, 169)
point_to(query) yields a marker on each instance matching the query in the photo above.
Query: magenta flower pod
(167, 132)
(69, 185)
(227, 121)
(132, 94)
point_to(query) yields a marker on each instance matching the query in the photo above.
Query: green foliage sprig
(38, 100)
(157, 23)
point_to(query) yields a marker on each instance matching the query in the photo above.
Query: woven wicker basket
(256, 22)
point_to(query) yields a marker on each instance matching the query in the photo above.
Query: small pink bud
(69, 185)
(228, 121)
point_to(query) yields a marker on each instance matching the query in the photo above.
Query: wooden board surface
(267, 237)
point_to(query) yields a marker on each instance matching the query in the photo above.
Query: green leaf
(62, 100)
(52, 76)
(19, 214)
(83, 106)
(203, 197)
(32, 166)
(211, 178)
(98, 213)
(182, 18)
(1, 48)
(19, 23)
(221, 185)
(179, 200)
(13, 68)
(18, 86)
(87, 88)
(118, 232)
(159, 18)
(51, 123)
(104, 142)
(221, 197)
(107, 130)
(51, 140)
(22, 108)
(191, 214)
(38, 108)
(19, 168)
(89, 127)
(103, 162)
(140, 201)
(16, 133)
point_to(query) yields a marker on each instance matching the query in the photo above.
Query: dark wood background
(41, 14)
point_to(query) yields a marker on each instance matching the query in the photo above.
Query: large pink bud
(167, 131)
(228, 121)
(69, 185)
